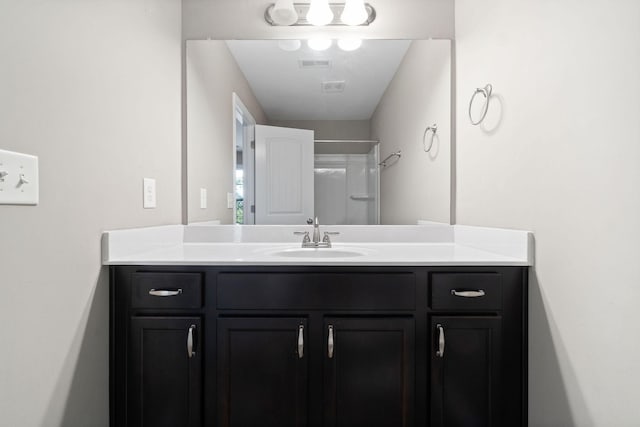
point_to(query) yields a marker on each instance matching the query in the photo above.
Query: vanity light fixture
(349, 45)
(320, 12)
(319, 44)
(354, 12)
(283, 13)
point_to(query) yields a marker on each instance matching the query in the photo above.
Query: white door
(284, 175)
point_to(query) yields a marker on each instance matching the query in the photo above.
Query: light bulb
(319, 13)
(289, 45)
(349, 44)
(283, 13)
(319, 44)
(354, 12)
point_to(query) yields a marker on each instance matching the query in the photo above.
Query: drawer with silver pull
(166, 290)
(466, 291)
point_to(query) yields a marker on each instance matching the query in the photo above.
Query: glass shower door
(346, 188)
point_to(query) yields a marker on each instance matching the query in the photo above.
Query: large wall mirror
(282, 130)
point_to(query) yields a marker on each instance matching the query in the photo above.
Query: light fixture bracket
(336, 8)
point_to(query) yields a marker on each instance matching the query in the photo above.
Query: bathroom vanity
(199, 338)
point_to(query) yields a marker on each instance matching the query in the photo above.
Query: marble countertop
(420, 245)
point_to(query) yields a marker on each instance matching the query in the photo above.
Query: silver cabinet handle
(468, 294)
(190, 351)
(300, 341)
(165, 292)
(440, 352)
(330, 343)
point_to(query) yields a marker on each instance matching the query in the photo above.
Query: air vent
(335, 86)
(315, 63)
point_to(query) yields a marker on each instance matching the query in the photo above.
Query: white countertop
(420, 245)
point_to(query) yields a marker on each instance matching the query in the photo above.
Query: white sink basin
(318, 253)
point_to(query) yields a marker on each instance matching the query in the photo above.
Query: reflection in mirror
(243, 136)
(354, 107)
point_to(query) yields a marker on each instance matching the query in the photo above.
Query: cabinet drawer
(328, 291)
(466, 291)
(166, 290)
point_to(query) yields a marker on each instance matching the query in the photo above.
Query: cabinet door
(165, 372)
(262, 372)
(369, 372)
(465, 371)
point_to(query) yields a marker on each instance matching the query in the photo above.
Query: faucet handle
(326, 238)
(306, 238)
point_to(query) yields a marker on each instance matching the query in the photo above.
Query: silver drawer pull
(190, 351)
(330, 343)
(468, 294)
(165, 292)
(440, 351)
(300, 341)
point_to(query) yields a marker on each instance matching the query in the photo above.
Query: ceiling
(288, 92)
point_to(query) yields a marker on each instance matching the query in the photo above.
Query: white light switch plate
(203, 198)
(18, 179)
(231, 200)
(149, 193)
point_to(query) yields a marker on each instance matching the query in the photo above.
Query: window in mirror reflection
(239, 196)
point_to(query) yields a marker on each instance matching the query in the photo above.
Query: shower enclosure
(346, 182)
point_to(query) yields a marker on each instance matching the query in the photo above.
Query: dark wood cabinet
(165, 372)
(369, 372)
(262, 372)
(466, 371)
(318, 346)
(478, 361)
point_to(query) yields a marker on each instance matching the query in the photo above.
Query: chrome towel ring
(486, 92)
(433, 129)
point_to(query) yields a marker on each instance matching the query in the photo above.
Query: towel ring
(434, 129)
(486, 92)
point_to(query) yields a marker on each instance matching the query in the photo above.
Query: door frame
(248, 129)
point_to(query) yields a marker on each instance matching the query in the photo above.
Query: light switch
(18, 179)
(231, 200)
(203, 198)
(149, 193)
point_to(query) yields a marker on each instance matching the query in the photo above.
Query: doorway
(244, 161)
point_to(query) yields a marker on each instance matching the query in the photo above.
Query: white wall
(329, 129)
(244, 19)
(564, 162)
(212, 77)
(418, 185)
(93, 88)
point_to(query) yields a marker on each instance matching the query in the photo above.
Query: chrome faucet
(314, 242)
(316, 231)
